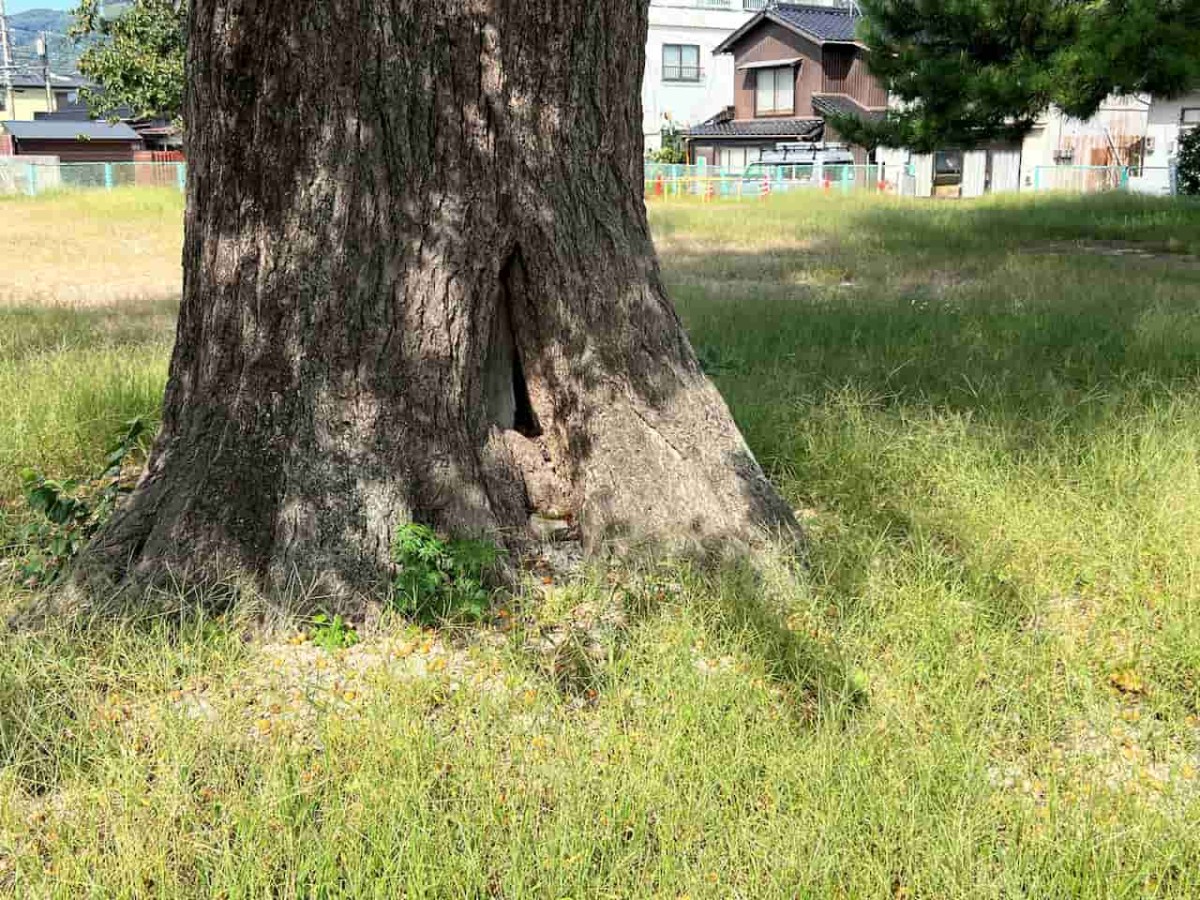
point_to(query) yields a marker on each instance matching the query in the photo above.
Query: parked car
(814, 153)
(792, 166)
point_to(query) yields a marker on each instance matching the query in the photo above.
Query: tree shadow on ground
(905, 317)
(1036, 340)
(29, 330)
(740, 607)
(745, 600)
(67, 657)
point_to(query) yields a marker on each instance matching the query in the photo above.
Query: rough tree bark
(419, 285)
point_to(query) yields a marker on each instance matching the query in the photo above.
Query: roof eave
(795, 29)
(726, 46)
(750, 138)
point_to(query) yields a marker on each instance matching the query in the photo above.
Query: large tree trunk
(419, 285)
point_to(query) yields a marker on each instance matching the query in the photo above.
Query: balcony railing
(682, 73)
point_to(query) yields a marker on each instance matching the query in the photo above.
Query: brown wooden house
(793, 66)
(74, 141)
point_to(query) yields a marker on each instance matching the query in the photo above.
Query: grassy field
(985, 684)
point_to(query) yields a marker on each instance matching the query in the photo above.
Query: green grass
(985, 684)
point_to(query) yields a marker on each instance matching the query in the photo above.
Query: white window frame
(781, 76)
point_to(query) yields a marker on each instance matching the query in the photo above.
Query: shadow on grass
(1036, 341)
(65, 668)
(1169, 224)
(740, 602)
(742, 609)
(29, 330)
(959, 319)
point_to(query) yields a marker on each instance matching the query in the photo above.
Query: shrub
(1188, 162)
(439, 579)
(673, 151)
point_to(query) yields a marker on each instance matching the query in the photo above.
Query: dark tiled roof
(841, 105)
(825, 23)
(81, 112)
(69, 131)
(767, 128)
(728, 114)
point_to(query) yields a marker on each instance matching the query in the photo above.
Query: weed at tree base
(441, 580)
(69, 512)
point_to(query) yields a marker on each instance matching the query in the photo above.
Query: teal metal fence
(662, 181)
(18, 176)
(1095, 179)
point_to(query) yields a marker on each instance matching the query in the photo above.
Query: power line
(62, 49)
(62, 52)
(6, 58)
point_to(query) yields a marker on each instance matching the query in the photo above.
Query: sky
(16, 6)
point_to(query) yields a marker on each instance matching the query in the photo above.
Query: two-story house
(793, 65)
(26, 93)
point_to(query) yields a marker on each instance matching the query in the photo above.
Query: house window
(736, 157)
(947, 167)
(681, 62)
(1189, 115)
(775, 91)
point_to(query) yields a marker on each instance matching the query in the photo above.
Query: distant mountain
(25, 26)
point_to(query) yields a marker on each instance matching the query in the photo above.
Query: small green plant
(672, 151)
(68, 513)
(441, 580)
(674, 156)
(332, 634)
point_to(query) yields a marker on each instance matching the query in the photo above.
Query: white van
(791, 166)
(816, 153)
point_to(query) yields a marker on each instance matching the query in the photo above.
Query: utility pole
(43, 51)
(6, 62)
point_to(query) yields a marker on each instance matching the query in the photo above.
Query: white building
(684, 83)
(1064, 153)
(1167, 119)
(1128, 143)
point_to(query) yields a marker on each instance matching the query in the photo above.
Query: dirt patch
(1125, 250)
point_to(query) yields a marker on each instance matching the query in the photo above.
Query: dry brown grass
(126, 249)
